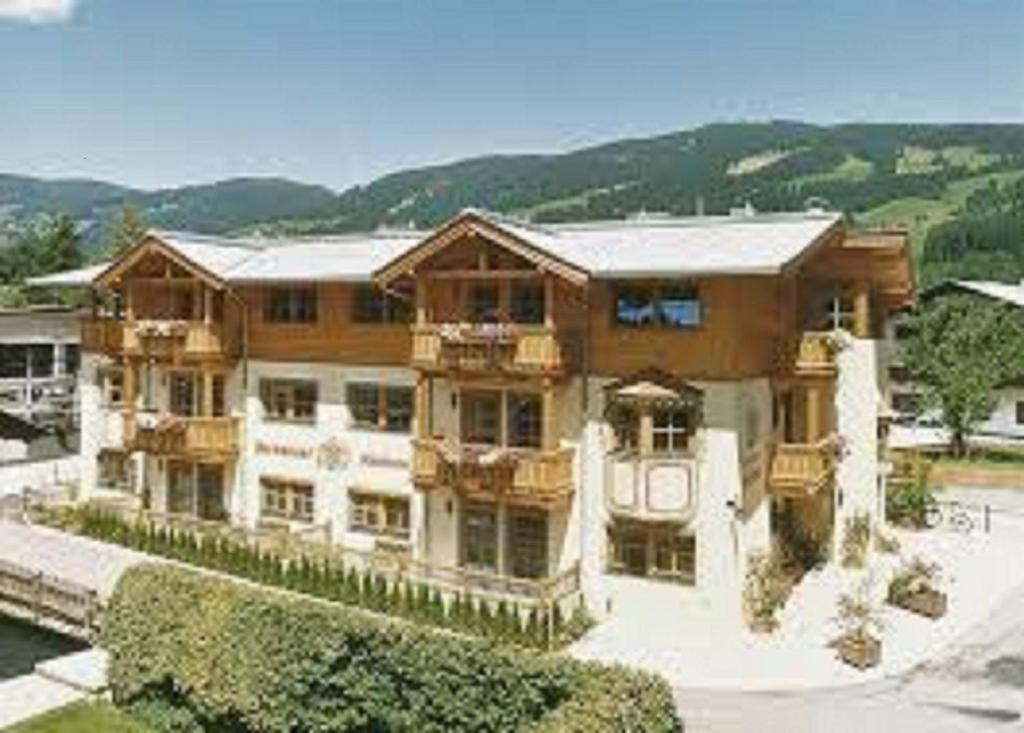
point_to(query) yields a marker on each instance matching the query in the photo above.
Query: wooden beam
(482, 274)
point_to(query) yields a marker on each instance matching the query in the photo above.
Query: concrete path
(93, 564)
(54, 684)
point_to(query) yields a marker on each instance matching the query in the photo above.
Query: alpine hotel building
(636, 406)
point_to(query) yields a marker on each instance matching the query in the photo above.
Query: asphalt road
(978, 685)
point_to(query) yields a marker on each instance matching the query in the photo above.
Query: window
(290, 305)
(480, 537)
(1020, 412)
(384, 515)
(679, 306)
(527, 303)
(218, 395)
(42, 356)
(112, 386)
(185, 394)
(651, 550)
(671, 306)
(483, 303)
(528, 544)
(669, 431)
(525, 424)
(287, 499)
(481, 417)
(372, 305)
(72, 358)
(634, 307)
(909, 403)
(839, 313)
(289, 399)
(380, 407)
(112, 467)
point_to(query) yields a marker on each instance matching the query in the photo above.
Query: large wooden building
(636, 405)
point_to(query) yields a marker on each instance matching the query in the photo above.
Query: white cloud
(37, 11)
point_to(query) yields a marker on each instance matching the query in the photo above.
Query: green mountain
(957, 187)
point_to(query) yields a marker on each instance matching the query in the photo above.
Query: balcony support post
(421, 303)
(422, 407)
(549, 300)
(813, 416)
(861, 311)
(207, 406)
(549, 438)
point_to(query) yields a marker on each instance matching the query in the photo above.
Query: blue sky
(164, 92)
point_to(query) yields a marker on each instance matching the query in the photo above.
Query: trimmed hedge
(506, 622)
(190, 652)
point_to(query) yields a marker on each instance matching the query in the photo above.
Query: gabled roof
(82, 277)
(350, 258)
(645, 247)
(201, 256)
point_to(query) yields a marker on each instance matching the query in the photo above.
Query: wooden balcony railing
(525, 475)
(469, 347)
(812, 354)
(802, 469)
(184, 436)
(162, 340)
(102, 335)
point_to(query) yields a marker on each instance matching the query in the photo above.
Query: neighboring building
(1007, 419)
(39, 361)
(639, 404)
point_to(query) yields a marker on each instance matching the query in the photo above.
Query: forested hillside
(957, 187)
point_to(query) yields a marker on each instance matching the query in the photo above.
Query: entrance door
(480, 537)
(180, 488)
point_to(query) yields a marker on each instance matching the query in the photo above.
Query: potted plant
(913, 588)
(859, 644)
(765, 591)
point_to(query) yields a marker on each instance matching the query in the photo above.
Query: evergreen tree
(124, 231)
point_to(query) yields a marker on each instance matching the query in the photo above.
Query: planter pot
(763, 625)
(862, 652)
(929, 602)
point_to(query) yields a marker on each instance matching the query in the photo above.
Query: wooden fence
(47, 598)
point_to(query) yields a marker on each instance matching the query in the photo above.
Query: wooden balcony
(196, 437)
(812, 354)
(802, 469)
(518, 474)
(160, 340)
(511, 348)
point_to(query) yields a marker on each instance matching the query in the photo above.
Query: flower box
(926, 602)
(860, 650)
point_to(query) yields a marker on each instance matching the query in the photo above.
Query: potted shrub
(913, 587)
(765, 591)
(859, 644)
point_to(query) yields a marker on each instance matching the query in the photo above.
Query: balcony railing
(489, 347)
(530, 476)
(803, 469)
(812, 354)
(184, 436)
(162, 340)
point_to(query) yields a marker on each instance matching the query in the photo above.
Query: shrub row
(191, 653)
(503, 621)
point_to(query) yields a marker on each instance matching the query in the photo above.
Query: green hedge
(199, 653)
(502, 621)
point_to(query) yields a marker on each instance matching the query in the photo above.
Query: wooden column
(207, 406)
(422, 407)
(549, 300)
(862, 311)
(646, 436)
(549, 427)
(812, 418)
(207, 305)
(421, 303)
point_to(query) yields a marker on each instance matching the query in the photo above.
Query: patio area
(979, 570)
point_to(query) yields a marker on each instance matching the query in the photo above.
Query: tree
(56, 246)
(124, 231)
(961, 349)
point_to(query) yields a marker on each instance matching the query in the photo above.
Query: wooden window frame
(272, 387)
(373, 306)
(654, 295)
(677, 438)
(386, 410)
(373, 513)
(291, 500)
(299, 307)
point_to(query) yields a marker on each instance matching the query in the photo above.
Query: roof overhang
(473, 223)
(152, 243)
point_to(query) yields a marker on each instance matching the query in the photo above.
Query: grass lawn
(82, 717)
(1007, 458)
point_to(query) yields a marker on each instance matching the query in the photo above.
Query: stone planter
(927, 602)
(860, 650)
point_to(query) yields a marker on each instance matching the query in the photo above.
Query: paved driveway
(978, 685)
